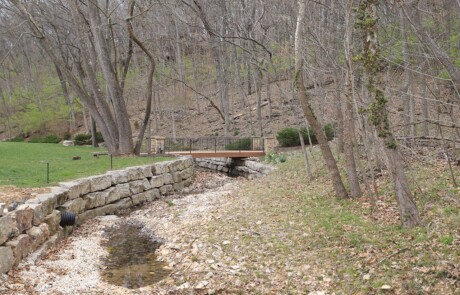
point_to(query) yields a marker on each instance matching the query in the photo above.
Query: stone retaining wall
(248, 168)
(34, 226)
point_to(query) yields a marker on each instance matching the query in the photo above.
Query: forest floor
(282, 234)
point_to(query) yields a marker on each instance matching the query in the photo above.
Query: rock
(134, 173)
(100, 182)
(178, 186)
(152, 195)
(166, 190)
(76, 188)
(146, 185)
(24, 217)
(120, 191)
(167, 178)
(21, 247)
(157, 181)
(38, 235)
(51, 242)
(147, 171)
(96, 199)
(40, 212)
(386, 287)
(136, 187)
(74, 206)
(139, 198)
(68, 143)
(201, 285)
(6, 228)
(2, 208)
(118, 177)
(62, 195)
(367, 277)
(53, 220)
(6, 259)
(184, 286)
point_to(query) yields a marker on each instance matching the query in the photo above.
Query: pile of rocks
(35, 225)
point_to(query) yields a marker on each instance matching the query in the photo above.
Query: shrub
(85, 138)
(82, 139)
(241, 144)
(17, 138)
(52, 138)
(290, 137)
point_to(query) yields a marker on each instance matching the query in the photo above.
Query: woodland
(385, 73)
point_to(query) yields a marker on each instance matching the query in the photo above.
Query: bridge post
(269, 144)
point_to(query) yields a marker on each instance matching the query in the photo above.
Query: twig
(392, 255)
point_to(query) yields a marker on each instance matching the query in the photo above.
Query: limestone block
(96, 199)
(177, 176)
(123, 204)
(21, 247)
(187, 182)
(118, 176)
(2, 208)
(53, 220)
(75, 206)
(7, 228)
(40, 212)
(118, 192)
(100, 182)
(6, 259)
(139, 198)
(136, 187)
(83, 217)
(157, 181)
(161, 168)
(146, 184)
(147, 171)
(153, 194)
(62, 195)
(167, 178)
(77, 188)
(179, 186)
(134, 173)
(258, 167)
(166, 190)
(24, 217)
(38, 235)
(187, 173)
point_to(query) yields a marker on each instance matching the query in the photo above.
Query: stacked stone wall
(35, 225)
(248, 168)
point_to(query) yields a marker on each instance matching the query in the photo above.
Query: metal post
(215, 145)
(190, 145)
(111, 162)
(48, 172)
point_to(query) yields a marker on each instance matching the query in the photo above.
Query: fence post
(48, 172)
(215, 145)
(190, 145)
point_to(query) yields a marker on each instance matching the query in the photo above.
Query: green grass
(24, 164)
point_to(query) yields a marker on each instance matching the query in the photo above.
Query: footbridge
(214, 147)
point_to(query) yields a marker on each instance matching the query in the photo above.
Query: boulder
(136, 187)
(166, 190)
(157, 181)
(167, 178)
(68, 143)
(6, 259)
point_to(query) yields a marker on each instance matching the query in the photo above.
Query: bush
(52, 138)
(17, 138)
(82, 139)
(290, 136)
(85, 138)
(241, 144)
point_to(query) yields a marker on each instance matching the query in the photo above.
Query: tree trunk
(368, 21)
(309, 114)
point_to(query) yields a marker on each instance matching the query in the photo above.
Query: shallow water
(132, 262)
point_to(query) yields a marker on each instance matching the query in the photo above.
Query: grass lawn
(24, 164)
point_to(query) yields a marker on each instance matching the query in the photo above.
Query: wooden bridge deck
(219, 154)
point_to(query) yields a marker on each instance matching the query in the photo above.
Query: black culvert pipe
(67, 218)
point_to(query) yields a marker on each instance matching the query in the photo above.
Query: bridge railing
(213, 144)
